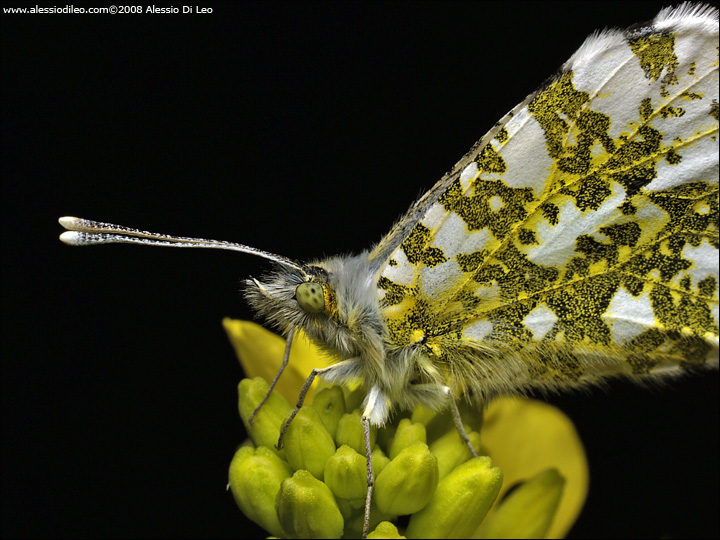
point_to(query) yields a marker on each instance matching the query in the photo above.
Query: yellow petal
(527, 512)
(261, 352)
(525, 437)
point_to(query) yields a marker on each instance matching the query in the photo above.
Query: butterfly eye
(311, 297)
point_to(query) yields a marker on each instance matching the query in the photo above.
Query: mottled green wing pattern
(581, 241)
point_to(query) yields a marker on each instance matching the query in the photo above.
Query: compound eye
(311, 297)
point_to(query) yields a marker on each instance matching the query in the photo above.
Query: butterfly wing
(579, 238)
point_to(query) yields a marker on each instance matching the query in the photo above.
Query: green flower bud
(438, 423)
(451, 450)
(354, 523)
(423, 414)
(385, 529)
(353, 397)
(461, 501)
(528, 511)
(350, 509)
(408, 482)
(308, 445)
(379, 460)
(346, 474)
(350, 432)
(265, 429)
(407, 433)
(330, 403)
(385, 436)
(306, 508)
(255, 477)
(353, 509)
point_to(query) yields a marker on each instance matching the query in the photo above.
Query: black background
(304, 130)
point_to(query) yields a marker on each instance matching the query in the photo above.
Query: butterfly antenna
(85, 232)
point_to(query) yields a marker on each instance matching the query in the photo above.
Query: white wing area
(590, 217)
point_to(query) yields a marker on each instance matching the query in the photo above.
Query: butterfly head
(294, 296)
(334, 301)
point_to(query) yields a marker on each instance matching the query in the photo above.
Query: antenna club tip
(69, 222)
(71, 238)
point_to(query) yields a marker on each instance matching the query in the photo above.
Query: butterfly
(575, 242)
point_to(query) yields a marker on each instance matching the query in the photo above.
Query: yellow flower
(261, 352)
(526, 437)
(530, 444)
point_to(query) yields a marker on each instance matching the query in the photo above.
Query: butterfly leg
(458, 421)
(304, 390)
(286, 357)
(371, 401)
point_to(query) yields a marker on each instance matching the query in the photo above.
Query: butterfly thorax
(336, 302)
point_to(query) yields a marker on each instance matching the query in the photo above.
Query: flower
(315, 486)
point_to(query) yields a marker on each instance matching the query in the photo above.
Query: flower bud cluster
(315, 486)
